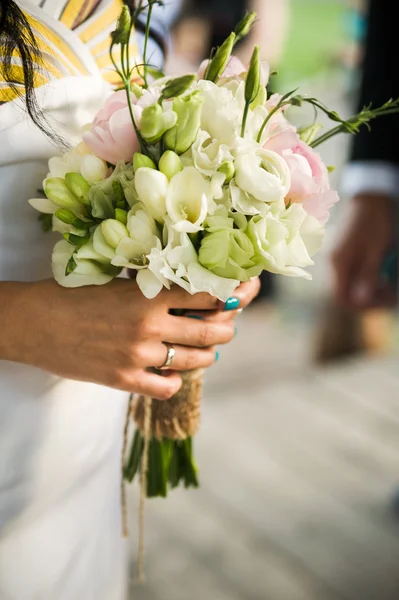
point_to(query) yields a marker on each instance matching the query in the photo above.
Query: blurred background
(299, 446)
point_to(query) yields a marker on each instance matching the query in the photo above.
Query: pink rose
(112, 136)
(309, 181)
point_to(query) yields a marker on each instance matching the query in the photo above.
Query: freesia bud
(227, 168)
(219, 62)
(57, 191)
(121, 215)
(154, 122)
(76, 240)
(245, 25)
(182, 136)
(121, 34)
(78, 185)
(177, 87)
(170, 164)
(114, 231)
(253, 77)
(141, 160)
(68, 217)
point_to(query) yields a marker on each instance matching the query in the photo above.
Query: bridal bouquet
(198, 181)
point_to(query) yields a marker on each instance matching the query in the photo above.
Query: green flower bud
(121, 215)
(68, 217)
(113, 231)
(121, 34)
(177, 87)
(245, 25)
(260, 99)
(78, 185)
(136, 89)
(154, 122)
(141, 160)
(253, 77)
(58, 192)
(170, 164)
(182, 136)
(228, 252)
(308, 134)
(76, 240)
(219, 62)
(228, 169)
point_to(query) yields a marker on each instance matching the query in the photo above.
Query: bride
(70, 357)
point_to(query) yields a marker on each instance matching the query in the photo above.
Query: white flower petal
(187, 199)
(204, 280)
(43, 205)
(86, 273)
(152, 187)
(148, 283)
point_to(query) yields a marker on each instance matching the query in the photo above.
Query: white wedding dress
(60, 440)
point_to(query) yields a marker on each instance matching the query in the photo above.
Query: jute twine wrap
(177, 418)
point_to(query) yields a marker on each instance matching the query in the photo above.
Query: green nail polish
(232, 304)
(217, 356)
(195, 317)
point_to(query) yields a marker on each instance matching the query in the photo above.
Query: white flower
(187, 200)
(286, 239)
(88, 271)
(79, 160)
(222, 110)
(261, 177)
(179, 264)
(152, 187)
(142, 236)
(209, 154)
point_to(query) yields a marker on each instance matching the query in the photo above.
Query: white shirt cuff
(361, 177)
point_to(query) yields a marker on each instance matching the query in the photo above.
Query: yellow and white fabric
(60, 440)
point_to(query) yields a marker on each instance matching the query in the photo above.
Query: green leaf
(46, 221)
(132, 465)
(71, 266)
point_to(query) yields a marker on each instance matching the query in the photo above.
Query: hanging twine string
(125, 527)
(143, 486)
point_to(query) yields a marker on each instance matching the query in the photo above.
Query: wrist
(15, 320)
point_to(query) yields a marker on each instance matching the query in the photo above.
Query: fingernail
(217, 356)
(195, 317)
(232, 304)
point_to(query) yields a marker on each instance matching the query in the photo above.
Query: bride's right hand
(111, 334)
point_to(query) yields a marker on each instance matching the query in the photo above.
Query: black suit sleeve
(380, 82)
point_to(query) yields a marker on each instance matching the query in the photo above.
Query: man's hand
(357, 261)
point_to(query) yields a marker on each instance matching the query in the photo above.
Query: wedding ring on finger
(171, 353)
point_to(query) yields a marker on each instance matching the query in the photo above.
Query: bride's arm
(111, 334)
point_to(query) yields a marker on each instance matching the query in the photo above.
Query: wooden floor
(297, 468)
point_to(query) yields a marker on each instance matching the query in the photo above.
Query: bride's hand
(111, 334)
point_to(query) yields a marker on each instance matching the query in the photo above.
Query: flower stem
(244, 119)
(147, 35)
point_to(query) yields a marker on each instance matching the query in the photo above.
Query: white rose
(152, 187)
(261, 177)
(208, 154)
(286, 239)
(187, 200)
(222, 110)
